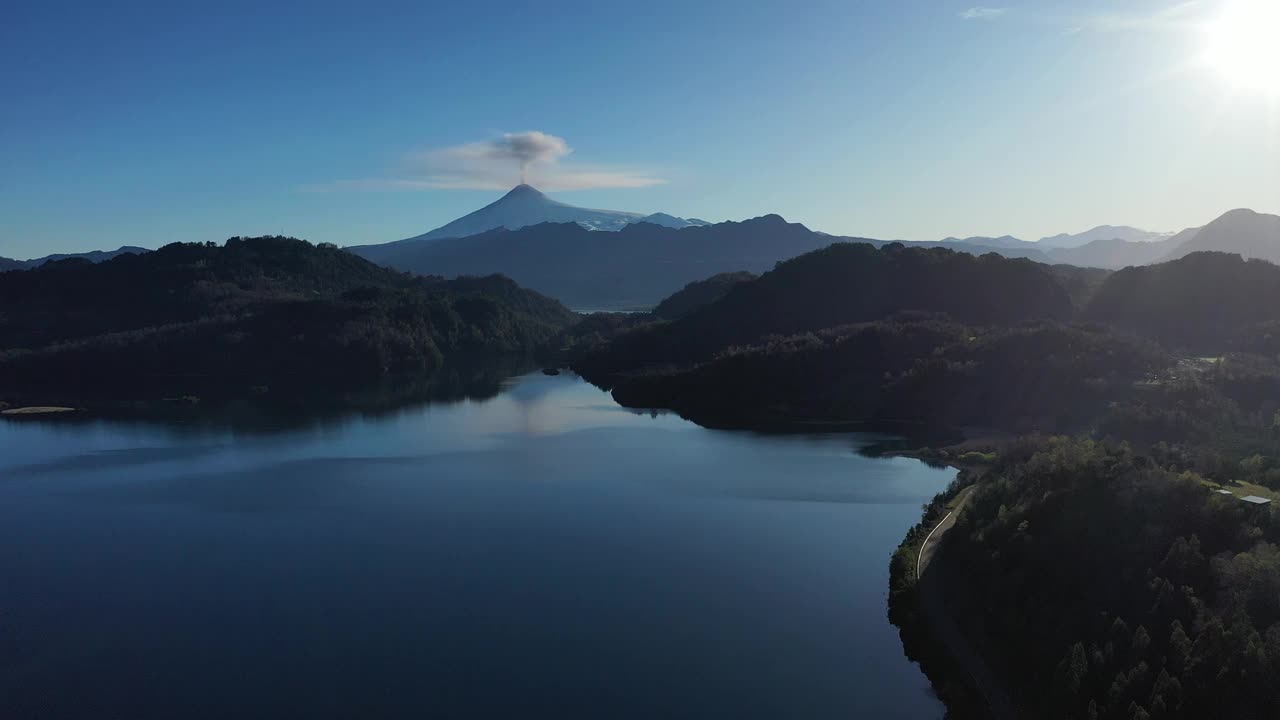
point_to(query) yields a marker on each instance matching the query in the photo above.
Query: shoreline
(944, 655)
(34, 411)
(947, 662)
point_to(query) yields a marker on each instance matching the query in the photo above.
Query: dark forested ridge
(1103, 563)
(851, 282)
(1081, 283)
(839, 285)
(908, 371)
(1203, 303)
(255, 312)
(698, 294)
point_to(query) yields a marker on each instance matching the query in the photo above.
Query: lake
(542, 553)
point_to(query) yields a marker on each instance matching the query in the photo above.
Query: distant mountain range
(1243, 232)
(610, 260)
(631, 268)
(553, 247)
(1107, 246)
(1004, 241)
(1103, 232)
(647, 258)
(96, 256)
(634, 267)
(1246, 233)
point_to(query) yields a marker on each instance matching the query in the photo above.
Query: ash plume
(498, 163)
(530, 147)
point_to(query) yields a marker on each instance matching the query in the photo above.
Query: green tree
(1070, 675)
(1179, 653)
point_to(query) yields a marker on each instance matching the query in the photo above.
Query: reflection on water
(539, 552)
(291, 406)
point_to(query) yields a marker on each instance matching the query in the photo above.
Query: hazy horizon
(148, 125)
(560, 197)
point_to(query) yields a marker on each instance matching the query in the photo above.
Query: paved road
(933, 603)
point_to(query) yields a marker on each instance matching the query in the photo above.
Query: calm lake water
(543, 553)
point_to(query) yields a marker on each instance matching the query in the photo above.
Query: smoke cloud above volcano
(530, 147)
(498, 163)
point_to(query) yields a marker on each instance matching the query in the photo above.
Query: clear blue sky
(150, 122)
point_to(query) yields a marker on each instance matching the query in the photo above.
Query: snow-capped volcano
(522, 206)
(525, 205)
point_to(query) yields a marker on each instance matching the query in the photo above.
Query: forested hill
(1113, 584)
(1205, 302)
(849, 283)
(853, 282)
(700, 293)
(252, 311)
(906, 371)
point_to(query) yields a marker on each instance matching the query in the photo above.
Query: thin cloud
(497, 164)
(983, 13)
(1177, 16)
(1174, 17)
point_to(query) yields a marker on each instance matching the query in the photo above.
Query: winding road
(933, 603)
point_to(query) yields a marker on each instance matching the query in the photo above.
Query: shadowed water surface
(541, 553)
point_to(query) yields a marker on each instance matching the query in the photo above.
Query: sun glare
(1244, 45)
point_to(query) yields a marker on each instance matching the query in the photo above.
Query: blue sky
(151, 122)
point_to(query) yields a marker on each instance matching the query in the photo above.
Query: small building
(1223, 492)
(1256, 500)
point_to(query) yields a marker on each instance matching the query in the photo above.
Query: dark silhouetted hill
(1201, 302)
(700, 293)
(908, 370)
(843, 284)
(1080, 282)
(253, 312)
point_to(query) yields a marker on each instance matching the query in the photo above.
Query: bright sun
(1244, 45)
